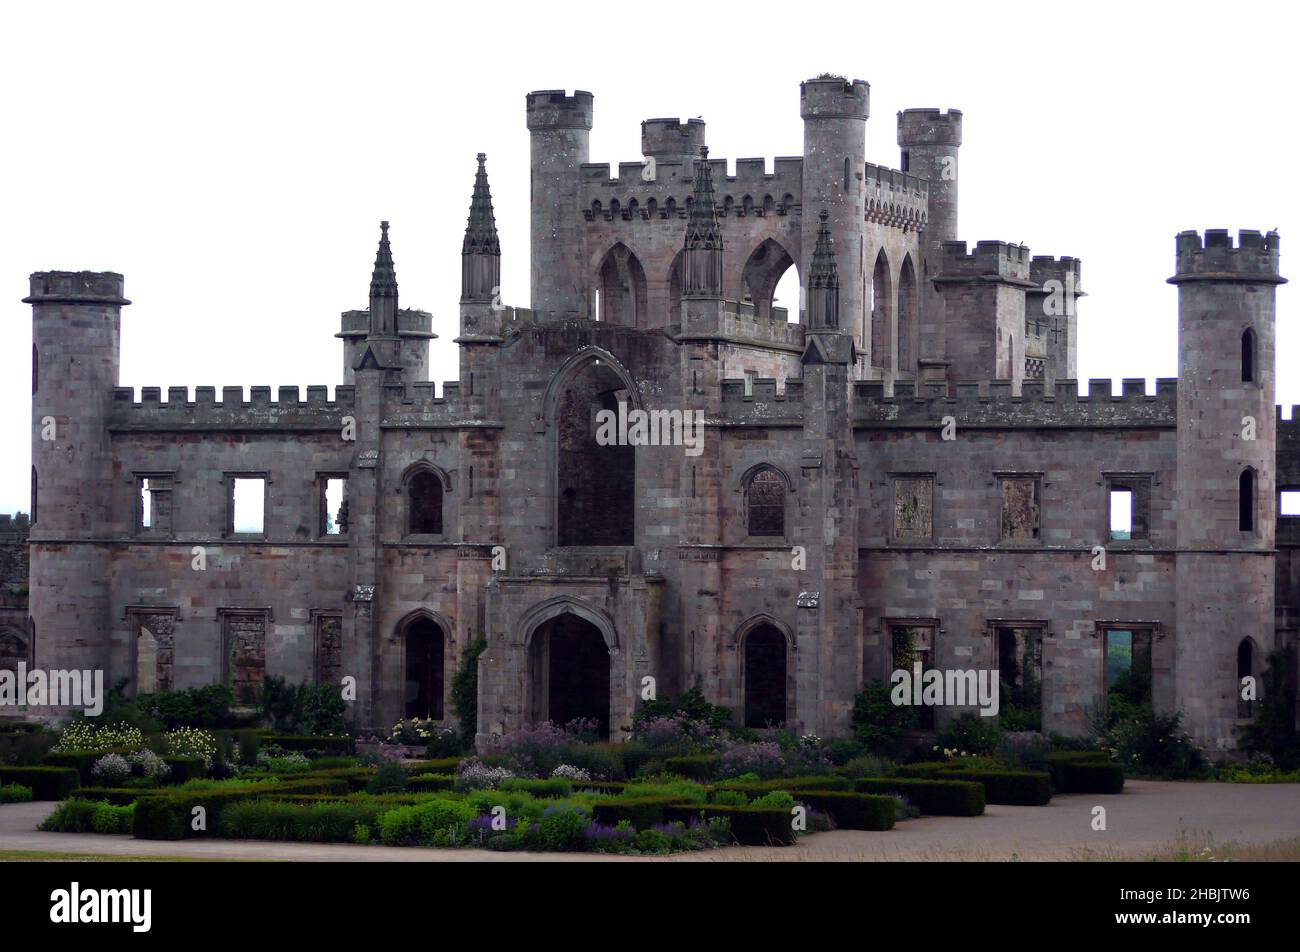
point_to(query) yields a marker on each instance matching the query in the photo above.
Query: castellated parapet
(554, 109)
(920, 127)
(989, 261)
(671, 140)
(1254, 258)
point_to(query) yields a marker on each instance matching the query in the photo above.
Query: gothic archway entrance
(765, 677)
(423, 643)
(569, 663)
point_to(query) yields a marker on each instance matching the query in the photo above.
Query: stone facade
(906, 460)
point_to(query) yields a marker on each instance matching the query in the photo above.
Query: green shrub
(561, 827)
(1272, 732)
(851, 811)
(326, 743)
(15, 793)
(684, 790)
(1014, 787)
(973, 733)
(1085, 772)
(601, 786)
(82, 761)
(931, 797)
(431, 783)
(70, 816)
(464, 691)
(692, 706)
(759, 787)
(878, 723)
(1150, 743)
(25, 747)
(208, 706)
(551, 788)
(749, 826)
(443, 765)
(731, 798)
(46, 783)
(305, 708)
(184, 769)
(169, 815)
(323, 822)
(118, 796)
(110, 819)
(774, 800)
(389, 778)
(639, 811)
(405, 826)
(868, 765)
(843, 749)
(694, 766)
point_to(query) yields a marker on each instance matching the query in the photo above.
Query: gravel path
(1148, 817)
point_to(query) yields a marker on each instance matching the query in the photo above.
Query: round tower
(668, 140)
(559, 129)
(76, 328)
(1227, 498)
(929, 140)
(834, 112)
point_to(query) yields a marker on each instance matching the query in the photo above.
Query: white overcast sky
(234, 160)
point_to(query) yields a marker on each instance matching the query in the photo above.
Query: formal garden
(683, 777)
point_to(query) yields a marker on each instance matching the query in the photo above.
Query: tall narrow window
(424, 503)
(247, 505)
(1248, 356)
(1021, 513)
(155, 505)
(1245, 669)
(333, 505)
(1246, 501)
(765, 502)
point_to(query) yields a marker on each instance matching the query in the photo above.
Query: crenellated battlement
(234, 411)
(1254, 258)
(990, 261)
(763, 404)
(1067, 270)
(896, 198)
(918, 127)
(671, 138)
(993, 405)
(554, 109)
(834, 97)
(15, 527)
(76, 287)
(630, 197)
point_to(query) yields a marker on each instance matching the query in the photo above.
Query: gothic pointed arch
(763, 270)
(880, 307)
(621, 288)
(907, 322)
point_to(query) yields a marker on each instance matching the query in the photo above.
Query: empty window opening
(1246, 501)
(1245, 669)
(912, 644)
(425, 503)
(596, 502)
(1288, 502)
(155, 505)
(765, 501)
(1021, 512)
(1248, 356)
(765, 677)
(1121, 514)
(1020, 673)
(424, 640)
(1127, 670)
(334, 505)
(248, 504)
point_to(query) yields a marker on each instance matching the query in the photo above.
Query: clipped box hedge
(185, 768)
(549, 789)
(641, 812)
(117, 796)
(324, 822)
(83, 761)
(46, 782)
(601, 786)
(431, 783)
(1028, 788)
(1085, 771)
(851, 811)
(750, 826)
(695, 766)
(931, 797)
(756, 788)
(169, 815)
(329, 743)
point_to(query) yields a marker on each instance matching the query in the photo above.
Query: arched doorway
(423, 642)
(569, 663)
(765, 677)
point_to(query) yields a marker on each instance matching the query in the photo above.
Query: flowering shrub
(82, 735)
(414, 732)
(1025, 750)
(676, 734)
(283, 762)
(807, 756)
(763, 759)
(473, 774)
(149, 765)
(570, 772)
(111, 770)
(535, 750)
(191, 742)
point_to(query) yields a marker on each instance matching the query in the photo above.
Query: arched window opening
(769, 281)
(765, 677)
(424, 640)
(1246, 501)
(621, 285)
(1245, 669)
(882, 336)
(424, 503)
(907, 317)
(765, 504)
(1248, 356)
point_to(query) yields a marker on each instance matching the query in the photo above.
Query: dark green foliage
(641, 812)
(118, 796)
(325, 743)
(47, 783)
(464, 692)
(82, 761)
(15, 793)
(878, 723)
(694, 767)
(26, 747)
(851, 811)
(431, 783)
(756, 788)
(600, 786)
(692, 704)
(185, 768)
(312, 709)
(324, 822)
(1273, 731)
(88, 816)
(207, 707)
(749, 826)
(843, 749)
(543, 789)
(561, 827)
(442, 765)
(1151, 743)
(931, 797)
(1067, 778)
(972, 733)
(169, 815)
(389, 778)
(1016, 787)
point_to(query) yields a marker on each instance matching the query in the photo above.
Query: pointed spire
(481, 232)
(703, 260)
(702, 229)
(383, 289)
(823, 281)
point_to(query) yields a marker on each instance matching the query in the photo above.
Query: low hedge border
(117, 796)
(185, 768)
(641, 812)
(431, 783)
(749, 826)
(329, 743)
(931, 797)
(756, 788)
(543, 789)
(169, 816)
(851, 811)
(1029, 788)
(46, 782)
(600, 786)
(694, 766)
(1085, 771)
(321, 822)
